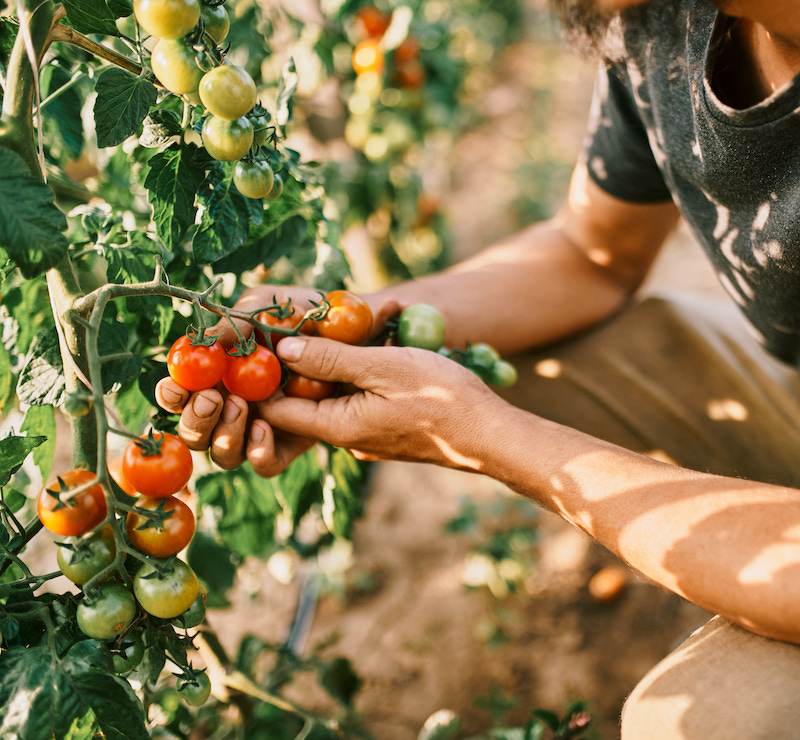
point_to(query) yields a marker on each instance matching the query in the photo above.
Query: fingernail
(203, 406)
(230, 412)
(291, 348)
(171, 396)
(257, 433)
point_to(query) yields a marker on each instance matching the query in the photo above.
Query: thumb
(324, 359)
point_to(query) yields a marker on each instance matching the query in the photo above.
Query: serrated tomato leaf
(31, 225)
(40, 421)
(172, 182)
(41, 380)
(123, 101)
(95, 16)
(225, 222)
(13, 451)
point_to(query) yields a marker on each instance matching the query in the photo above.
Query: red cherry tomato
(165, 538)
(160, 474)
(291, 321)
(349, 318)
(196, 367)
(115, 470)
(253, 377)
(298, 386)
(408, 51)
(409, 76)
(71, 516)
(373, 22)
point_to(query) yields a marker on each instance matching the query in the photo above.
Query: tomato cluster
(405, 70)
(157, 527)
(422, 326)
(187, 61)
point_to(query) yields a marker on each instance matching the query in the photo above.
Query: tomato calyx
(198, 337)
(149, 446)
(63, 501)
(243, 347)
(154, 518)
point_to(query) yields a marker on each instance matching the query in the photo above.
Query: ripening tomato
(82, 559)
(288, 322)
(277, 188)
(253, 377)
(227, 141)
(216, 22)
(166, 594)
(349, 318)
(115, 471)
(228, 91)
(409, 76)
(373, 22)
(158, 474)
(421, 325)
(160, 539)
(167, 19)
(196, 690)
(128, 655)
(174, 65)
(502, 374)
(253, 179)
(408, 51)
(196, 367)
(107, 613)
(260, 128)
(299, 386)
(368, 57)
(71, 516)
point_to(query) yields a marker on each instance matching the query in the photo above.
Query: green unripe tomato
(167, 19)
(85, 558)
(253, 179)
(421, 325)
(196, 690)
(128, 655)
(483, 355)
(108, 613)
(228, 91)
(502, 374)
(168, 594)
(174, 65)
(216, 21)
(260, 126)
(227, 141)
(277, 188)
(195, 615)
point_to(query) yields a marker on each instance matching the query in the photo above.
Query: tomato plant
(285, 317)
(196, 367)
(174, 65)
(421, 325)
(227, 140)
(81, 559)
(73, 513)
(216, 22)
(254, 376)
(167, 19)
(194, 690)
(128, 654)
(158, 466)
(253, 179)
(166, 593)
(228, 92)
(167, 532)
(349, 318)
(106, 613)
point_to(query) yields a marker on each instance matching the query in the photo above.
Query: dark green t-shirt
(659, 131)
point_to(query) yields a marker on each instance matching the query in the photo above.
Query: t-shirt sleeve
(617, 152)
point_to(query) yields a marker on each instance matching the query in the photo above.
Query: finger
(270, 451)
(387, 310)
(228, 437)
(199, 417)
(170, 396)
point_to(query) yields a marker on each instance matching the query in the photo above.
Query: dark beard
(584, 24)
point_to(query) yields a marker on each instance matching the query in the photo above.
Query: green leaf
(122, 103)
(41, 380)
(132, 406)
(42, 698)
(6, 378)
(94, 16)
(8, 34)
(281, 241)
(159, 127)
(287, 86)
(41, 421)
(31, 224)
(443, 724)
(172, 183)
(342, 493)
(13, 451)
(548, 718)
(65, 110)
(245, 509)
(113, 339)
(214, 565)
(299, 486)
(339, 679)
(23, 311)
(14, 500)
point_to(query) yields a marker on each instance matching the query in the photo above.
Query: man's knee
(721, 683)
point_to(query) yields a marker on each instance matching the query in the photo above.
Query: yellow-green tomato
(167, 19)
(167, 594)
(216, 21)
(227, 141)
(277, 188)
(174, 66)
(107, 613)
(81, 559)
(421, 325)
(253, 179)
(228, 91)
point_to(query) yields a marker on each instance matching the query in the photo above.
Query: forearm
(531, 289)
(729, 545)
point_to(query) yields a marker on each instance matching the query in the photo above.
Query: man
(695, 116)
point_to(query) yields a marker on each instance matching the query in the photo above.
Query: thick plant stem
(36, 21)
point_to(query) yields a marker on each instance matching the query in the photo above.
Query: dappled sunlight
(767, 563)
(549, 368)
(726, 409)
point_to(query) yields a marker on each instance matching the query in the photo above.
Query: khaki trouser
(680, 378)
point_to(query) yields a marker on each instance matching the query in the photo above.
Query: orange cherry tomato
(299, 386)
(161, 539)
(368, 57)
(160, 474)
(71, 516)
(288, 322)
(349, 318)
(372, 22)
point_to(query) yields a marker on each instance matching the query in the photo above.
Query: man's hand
(409, 404)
